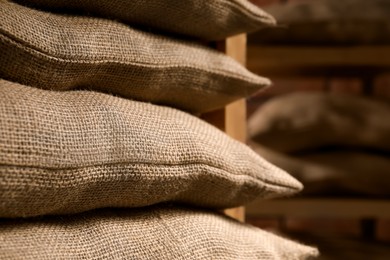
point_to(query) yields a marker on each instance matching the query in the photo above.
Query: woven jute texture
(71, 52)
(65, 152)
(210, 20)
(149, 233)
(305, 121)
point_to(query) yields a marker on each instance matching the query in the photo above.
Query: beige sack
(66, 152)
(209, 20)
(61, 52)
(149, 233)
(330, 22)
(304, 121)
(335, 172)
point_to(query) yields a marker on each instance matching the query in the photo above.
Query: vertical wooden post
(235, 113)
(232, 119)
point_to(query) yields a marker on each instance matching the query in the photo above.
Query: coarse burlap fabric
(62, 52)
(148, 233)
(327, 22)
(335, 171)
(205, 19)
(66, 152)
(304, 121)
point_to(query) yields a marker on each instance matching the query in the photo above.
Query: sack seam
(224, 171)
(221, 73)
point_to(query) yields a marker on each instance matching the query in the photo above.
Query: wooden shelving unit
(365, 62)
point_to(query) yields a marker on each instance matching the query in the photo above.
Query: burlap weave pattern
(65, 152)
(69, 52)
(149, 233)
(210, 20)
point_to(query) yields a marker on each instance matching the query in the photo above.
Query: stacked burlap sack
(328, 22)
(101, 156)
(334, 144)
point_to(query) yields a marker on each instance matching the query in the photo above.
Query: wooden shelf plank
(324, 208)
(306, 61)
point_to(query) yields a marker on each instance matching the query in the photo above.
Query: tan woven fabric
(150, 233)
(65, 152)
(303, 121)
(69, 52)
(210, 20)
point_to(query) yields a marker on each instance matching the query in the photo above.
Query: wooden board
(335, 207)
(313, 61)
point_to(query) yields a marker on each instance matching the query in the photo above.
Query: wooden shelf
(324, 208)
(364, 62)
(313, 61)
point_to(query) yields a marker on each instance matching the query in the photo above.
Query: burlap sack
(355, 172)
(329, 22)
(335, 172)
(209, 20)
(317, 179)
(66, 152)
(303, 121)
(149, 233)
(70, 52)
